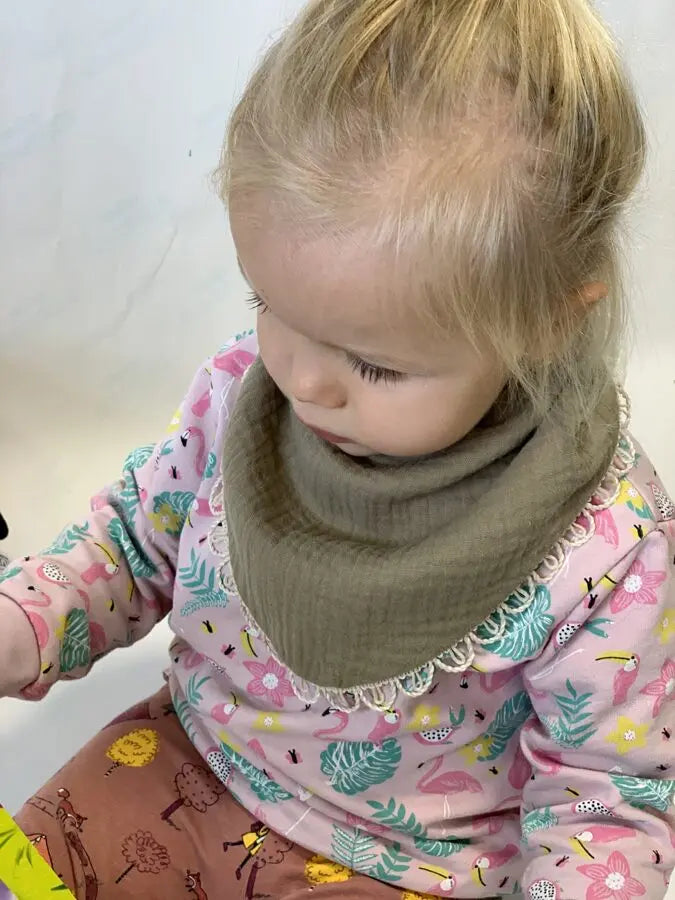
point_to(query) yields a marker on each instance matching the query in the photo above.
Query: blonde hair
(490, 145)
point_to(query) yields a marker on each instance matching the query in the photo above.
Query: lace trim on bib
(461, 655)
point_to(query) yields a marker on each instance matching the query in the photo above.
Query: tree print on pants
(197, 787)
(136, 749)
(263, 848)
(144, 854)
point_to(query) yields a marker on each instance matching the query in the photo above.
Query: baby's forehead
(347, 282)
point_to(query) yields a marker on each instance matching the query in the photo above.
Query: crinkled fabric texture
(371, 597)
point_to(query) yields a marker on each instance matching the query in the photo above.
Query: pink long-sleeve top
(547, 767)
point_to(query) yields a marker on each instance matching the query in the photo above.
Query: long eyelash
(256, 302)
(373, 374)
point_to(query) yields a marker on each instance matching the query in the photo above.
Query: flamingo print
(255, 745)
(492, 861)
(547, 764)
(493, 681)
(606, 526)
(520, 771)
(200, 459)
(625, 678)
(448, 783)
(234, 361)
(223, 712)
(101, 571)
(491, 824)
(343, 721)
(599, 834)
(39, 625)
(387, 724)
(448, 882)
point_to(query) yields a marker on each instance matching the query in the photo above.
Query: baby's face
(347, 353)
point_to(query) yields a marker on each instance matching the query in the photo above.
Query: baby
(419, 574)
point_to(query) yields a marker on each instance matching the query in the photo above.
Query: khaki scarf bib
(360, 570)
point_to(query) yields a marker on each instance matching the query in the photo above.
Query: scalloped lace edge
(458, 658)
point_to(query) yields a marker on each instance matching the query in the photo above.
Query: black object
(4, 530)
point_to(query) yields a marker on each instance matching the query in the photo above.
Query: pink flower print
(269, 680)
(662, 688)
(612, 881)
(636, 587)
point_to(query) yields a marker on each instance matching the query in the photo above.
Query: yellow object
(319, 870)
(22, 870)
(135, 749)
(627, 735)
(174, 424)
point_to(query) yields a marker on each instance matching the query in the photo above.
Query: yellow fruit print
(413, 895)
(319, 870)
(135, 749)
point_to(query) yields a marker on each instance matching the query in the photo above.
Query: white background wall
(117, 271)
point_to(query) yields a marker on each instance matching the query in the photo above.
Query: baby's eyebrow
(374, 358)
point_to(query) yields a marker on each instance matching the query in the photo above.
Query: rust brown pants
(169, 829)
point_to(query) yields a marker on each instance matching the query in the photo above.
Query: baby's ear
(593, 291)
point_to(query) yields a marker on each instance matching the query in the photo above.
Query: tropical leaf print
(193, 693)
(10, 573)
(138, 457)
(645, 792)
(510, 717)
(538, 820)
(526, 632)
(262, 786)
(211, 461)
(184, 714)
(172, 509)
(235, 340)
(392, 865)
(634, 500)
(139, 562)
(75, 644)
(572, 728)
(441, 847)
(396, 818)
(125, 499)
(354, 766)
(67, 539)
(205, 590)
(595, 626)
(353, 848)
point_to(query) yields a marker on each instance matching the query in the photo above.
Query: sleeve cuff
(19, 651)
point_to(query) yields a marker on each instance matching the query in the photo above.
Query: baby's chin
(355, 449)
